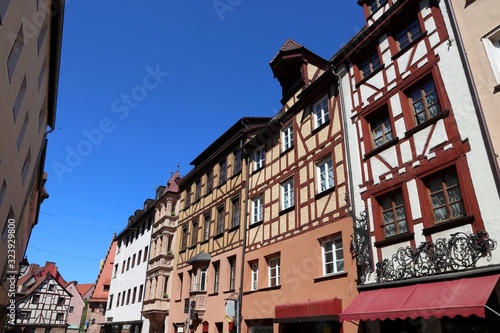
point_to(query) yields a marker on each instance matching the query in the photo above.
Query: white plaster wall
(468, 126)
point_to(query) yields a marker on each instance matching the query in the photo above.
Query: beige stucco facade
(30, 39)
(479, 27)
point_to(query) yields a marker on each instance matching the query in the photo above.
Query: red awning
(462, 297)
(305, 311)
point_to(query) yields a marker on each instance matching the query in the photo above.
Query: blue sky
(146, 88)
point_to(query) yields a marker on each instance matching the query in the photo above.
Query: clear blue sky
(147, 86)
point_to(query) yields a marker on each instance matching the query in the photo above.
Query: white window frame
(491, 42)
(324, 170)
(287, 137)
(287, 194)
(259, 158)
(331, 249)
(274, 271)
(194, 278)
(203, 279)
(255, 275)
(321, 114)
(257, 209)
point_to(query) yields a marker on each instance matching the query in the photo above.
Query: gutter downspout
(475, 96)
(347, 150)
(239, 304)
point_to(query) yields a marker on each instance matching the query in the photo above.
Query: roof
(99, 293)
(84, 288)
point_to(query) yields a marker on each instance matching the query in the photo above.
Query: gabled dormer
(373, 9)
(296, 67)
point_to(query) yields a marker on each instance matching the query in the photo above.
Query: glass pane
(340, 266)
(457, 210)
(401, 213)
(328, 257)
(388, 217)
(402, 227)
(438, 199)
(441, 214)
(339, 253)
(454, 194)
(435, 185)
(390, 230)
(329, 268)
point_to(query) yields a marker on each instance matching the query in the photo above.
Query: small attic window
(289, 84)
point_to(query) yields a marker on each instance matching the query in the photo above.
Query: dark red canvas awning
(462, 297)
(305, 311)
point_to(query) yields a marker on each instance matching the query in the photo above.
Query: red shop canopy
(461, 297)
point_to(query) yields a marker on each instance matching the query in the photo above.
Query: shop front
(459, 305)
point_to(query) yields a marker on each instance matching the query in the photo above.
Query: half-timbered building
(43, 303)
(126, 290)
(207, 271)
(425, 199)
(298, 273)
(156, 303)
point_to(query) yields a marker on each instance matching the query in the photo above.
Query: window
(128, 263)
(194, 281)
(118, 300)
(145, 254)
(35, 299)
(321, 115)
(222, 172)
(194, 233)
(15, 51)
(4, 5)
(116, 271)
(408, 34)
(232, 273)
(287, 194)
(139, 256)
(237, 162)
(71, 309)
(216, 276)
(139, 295)
(203, 279)
(123, 266)
(134, 294)
(197, 195)
(128, 297)
(274, 271)
(60, 301)
(445, 196)
(374, 5)
(287, 137)
(381, 128)
(110, 303)
(333, 256)
(370, 65)
(188, 197)
(133, 260)
(255, 274)
(424, 101)
(491, 44)
(210, 181)
(393, 214)
(325, 174)
(123, 298)
(16, 108)
(259, 158)
(51, 286)
(206, 227)
(257, 208)
(235, 217)
(60, 316)
(220, 220)
(184, 237)
(24, 314)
